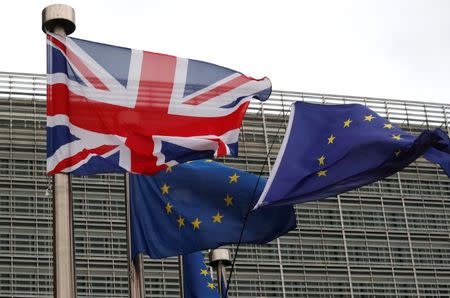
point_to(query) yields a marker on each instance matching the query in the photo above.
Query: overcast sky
(392, 49)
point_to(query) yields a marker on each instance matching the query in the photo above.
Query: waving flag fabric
(197, 206)
(197, 280)
(330, 149)
(440, 153)
(114, 109)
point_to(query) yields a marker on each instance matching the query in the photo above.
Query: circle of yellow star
(165, 189)
(397, 137)
(168, 208)
(347, 123)
(211, 285)
(180, 221)
(217, 218)
(196, 224)
(321, 160)
(387, 125)
(234, 178)
(322, 173)
(369, 117)
(204, 272)
(228, 200)
(331, 139)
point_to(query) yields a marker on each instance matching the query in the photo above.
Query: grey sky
(393, 49)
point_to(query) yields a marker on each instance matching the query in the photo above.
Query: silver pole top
(58, 16)
(219, 255)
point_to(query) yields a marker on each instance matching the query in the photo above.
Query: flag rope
(251, 204)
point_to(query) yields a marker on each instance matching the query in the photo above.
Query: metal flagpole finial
(58, 16)
(219, 255)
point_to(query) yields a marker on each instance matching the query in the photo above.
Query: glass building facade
(390, 238)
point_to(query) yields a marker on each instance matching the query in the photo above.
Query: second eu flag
(197, 206)
(330, 149)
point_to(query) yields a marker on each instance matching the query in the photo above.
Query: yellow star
(204, 272)
(228, 200)
(217, 217)
(397, 137)
(168, 208)
(211, 285)
(331, 139)
(169, 169)
(321, 160)
(180, 221)
(196, 224)
(165, 189)
(347, 123)
(387, 125)
(369, 118)
(234, 178)
(397, 153)
(209, 160)
(322, 173)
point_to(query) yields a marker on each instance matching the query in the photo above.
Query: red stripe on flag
(57, 43)
(73, 160)
(149, 119)
(155, 90)
(221, 147)
(230, 85)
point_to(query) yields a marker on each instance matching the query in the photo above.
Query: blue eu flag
(197, 281)
(330, 149)
(197, 206)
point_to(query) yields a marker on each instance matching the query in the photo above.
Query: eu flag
(330, 149)
(197, 281)
(197, 206)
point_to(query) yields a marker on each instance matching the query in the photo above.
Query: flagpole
(136, 284)
(219, 271)
(139, 275)
(181, 275)
(60, 19)
(219, 258)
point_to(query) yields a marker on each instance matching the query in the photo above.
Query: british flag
(114, 109)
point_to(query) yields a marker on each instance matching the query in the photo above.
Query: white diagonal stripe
(117, 94)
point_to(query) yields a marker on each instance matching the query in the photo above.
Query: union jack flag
(114, 109)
